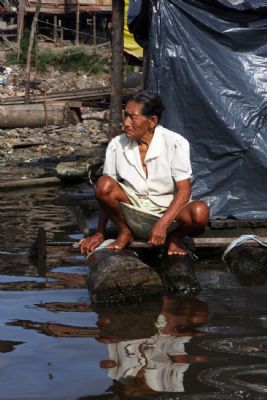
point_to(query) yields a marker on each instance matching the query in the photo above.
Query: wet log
(248, 264)
(78, 171)
(26, 183)
(178, 274)
(33, 115)
(119, 276)
(72, 171)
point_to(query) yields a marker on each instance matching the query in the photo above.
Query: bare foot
(122, 241)
(89, 244)
(176, 246)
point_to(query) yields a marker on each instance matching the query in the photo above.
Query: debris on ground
(40, 146)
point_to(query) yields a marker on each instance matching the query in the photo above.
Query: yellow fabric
(130, 45)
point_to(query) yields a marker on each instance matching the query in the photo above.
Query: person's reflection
(159, 362)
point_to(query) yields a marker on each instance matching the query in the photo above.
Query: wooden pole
(116, 95)
(20, 29)
(94, 29)
(29, 54)
(55, 29)
(77, 40)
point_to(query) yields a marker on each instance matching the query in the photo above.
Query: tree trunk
(29, 54)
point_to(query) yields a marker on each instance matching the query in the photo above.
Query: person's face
(136, 125)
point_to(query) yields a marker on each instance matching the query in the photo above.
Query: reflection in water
(248, 346)
(146, 364)
(6, 346)
(57, 330)
(234, 378)
(143, 351)
(53, 281)
(66, 307)
(27, 212)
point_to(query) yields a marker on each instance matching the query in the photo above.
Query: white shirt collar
(154, 149)
(132, 154)
(155, 145)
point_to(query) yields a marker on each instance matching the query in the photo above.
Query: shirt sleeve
(110, 160)
(181, 165)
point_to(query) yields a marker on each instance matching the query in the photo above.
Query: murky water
(55, 345)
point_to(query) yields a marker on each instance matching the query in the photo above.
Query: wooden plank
(206, 242)
(236, 223)
(82, 94)
(197, 242)
(223, 241)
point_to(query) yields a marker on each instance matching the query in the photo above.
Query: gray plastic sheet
(208, 61)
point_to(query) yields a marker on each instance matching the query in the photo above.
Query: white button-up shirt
(167, 161)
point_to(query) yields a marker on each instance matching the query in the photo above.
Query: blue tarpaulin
(208, 61)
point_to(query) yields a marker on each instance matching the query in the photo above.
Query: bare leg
(193, 216)
(109, 195)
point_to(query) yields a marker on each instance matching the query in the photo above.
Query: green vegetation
(70, 59)
(11, 58)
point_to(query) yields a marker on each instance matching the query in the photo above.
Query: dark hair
(151, 103)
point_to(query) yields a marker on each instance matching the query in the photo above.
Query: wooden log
(119, 276)
(78, 170)
(177, 272)
(72, 170)
(248, 264)
(179, 275)
(25, 183)
(33, 115)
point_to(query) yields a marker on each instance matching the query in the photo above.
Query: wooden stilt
(20, 28)
(77, 39)
(29, 54)
(117, 68)
(94, 29)
(55, 29)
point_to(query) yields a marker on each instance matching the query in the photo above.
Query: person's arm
(92, 242)
(159, 231)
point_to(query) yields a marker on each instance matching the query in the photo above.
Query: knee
(104, 186)
(200, 213)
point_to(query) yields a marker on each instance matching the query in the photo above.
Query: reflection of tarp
(207, 59)
(130, 45)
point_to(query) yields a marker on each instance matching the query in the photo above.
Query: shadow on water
(55, 344)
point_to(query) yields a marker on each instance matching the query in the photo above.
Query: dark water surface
(55, 345)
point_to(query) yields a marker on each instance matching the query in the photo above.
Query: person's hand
(91, 243)
(158, 233)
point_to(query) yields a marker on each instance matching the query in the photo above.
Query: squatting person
(147, 168)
